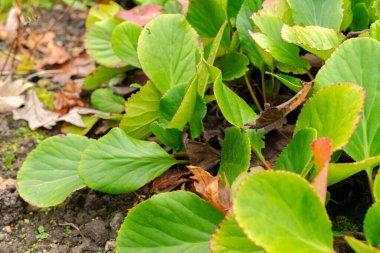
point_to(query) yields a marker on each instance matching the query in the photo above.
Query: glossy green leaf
(99, 46)
(326, 13)
(49, 174)
(317, 40)
(102, 75)
(347, 15)
(171, 222)
(200, 111)
(244, 24)
(199, 14)
(334, 112)
(233, 65)
(167, 51)
(375, 30)
(124, 42)
(360, 246)
(376, 188)
(170, 137)
(293, 83)
(234, 108)
(360, 18)
(141, 110)
(230, 238)
(256, 138)
(297, 154)
(270, 40)
(236, 154)
(339, 171)
(106, 100)
(281, 212)
(371, 225)
(356, 61)
(117, 163)
(102, 12)
(233, 8)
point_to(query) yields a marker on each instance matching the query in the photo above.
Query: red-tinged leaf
(141, 14)
(169, 180)
(275, 113)
(211, 189)
(322, 150)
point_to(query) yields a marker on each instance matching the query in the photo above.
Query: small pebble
(7, 229)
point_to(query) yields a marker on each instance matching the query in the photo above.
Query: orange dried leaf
(211, 189)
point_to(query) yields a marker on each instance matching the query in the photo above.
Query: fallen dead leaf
(35, 113)
(169, 180)
(10, 93)
(12, 23)
(211, 189)
(202, 154)
(141, 14)
(322, 154)
(272, 114)
(70, 99)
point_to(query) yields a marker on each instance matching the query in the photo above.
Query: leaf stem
(249, 86)
(263, 86)
(370, 182)
(183, 162)
(310, 75)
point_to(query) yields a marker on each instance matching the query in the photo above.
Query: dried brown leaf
(170, 180)
(202, 154)
(10, 93)
(211, 189)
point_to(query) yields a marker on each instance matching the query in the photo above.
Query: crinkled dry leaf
(10, 91)
(169, 180)
(211, 189)
(141, 14)
(35, 113)
(322, 154)
(202, 154)
(70, 99)
(274, 113)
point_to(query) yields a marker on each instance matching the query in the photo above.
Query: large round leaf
(124, 42)
(49, 174)
(356, 61)
(99, 46)
(334, 112)
(117, 163)
(371, 225)
(106, 100)
(169, 223)
(326, 13)
(230, 238)
(281, 212)
(167, 51)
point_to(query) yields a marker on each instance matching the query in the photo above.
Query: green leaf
(233, 65)
(99, 46)
(88, 120)
(375, 30)
(102, 12)
(171, 222)
(102, 75)
(196, 124)
(334, 112)
(233, 8)
(293, 83)
(49, 174)
(297, 154)
(326, 13)
(230, 238)
(107, 101)
(117, 163)
(270, 40)
(347, 15)
(356, 61)
(256, 138)
(376, 188)
(234, 108)
(244, 24)
(199, 14)
(141, 110)
(124, 42)
(281, 212)
(371, 225)
(170, 137)
(360, 18)
(360, 246)
(167, 51)
(236, 154)
(317, 40)
(339, 171)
